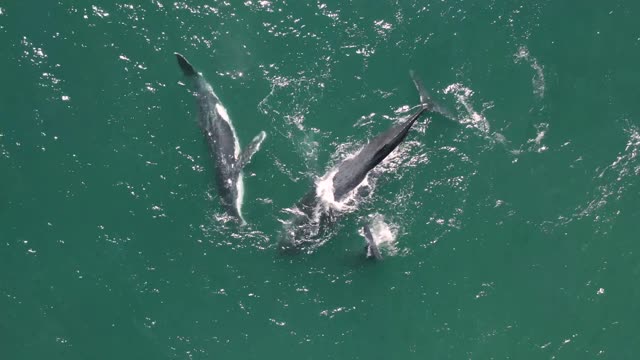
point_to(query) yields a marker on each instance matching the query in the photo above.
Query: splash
(384, 234)
(324, 193)
(463, 97)
(538, 78)
(319, 207)
(536, 142)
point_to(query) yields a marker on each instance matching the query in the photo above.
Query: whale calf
(373, 252)
(312, 214)
(222, 140)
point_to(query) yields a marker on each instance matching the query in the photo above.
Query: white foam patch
(385, 235)
(324, 192)
(535, 144)
(463, 96)
(537, 81)
(542, 130)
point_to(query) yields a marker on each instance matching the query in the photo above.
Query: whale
(222, 140)
(371, 248)
(312, 215)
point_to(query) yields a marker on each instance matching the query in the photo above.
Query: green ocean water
(514, 227)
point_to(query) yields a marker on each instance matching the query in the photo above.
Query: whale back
(352, 171)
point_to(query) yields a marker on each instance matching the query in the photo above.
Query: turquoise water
(511, 228)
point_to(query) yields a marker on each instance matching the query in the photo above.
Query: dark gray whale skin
(222, 141)
(352, 171)
(310, 219)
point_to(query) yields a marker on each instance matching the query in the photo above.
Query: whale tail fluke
(250, 150)
(186, 67)
(426, 100)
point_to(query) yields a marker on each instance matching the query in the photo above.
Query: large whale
(312, 214)
(222, 140)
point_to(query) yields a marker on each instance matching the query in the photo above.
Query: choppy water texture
(512, 233)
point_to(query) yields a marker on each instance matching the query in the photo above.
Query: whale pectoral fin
(250, 150)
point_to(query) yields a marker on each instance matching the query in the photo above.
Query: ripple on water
(473, 118)
(538, 83)
(612, 185)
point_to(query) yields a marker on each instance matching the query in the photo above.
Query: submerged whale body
(222, 140)
(312, 214)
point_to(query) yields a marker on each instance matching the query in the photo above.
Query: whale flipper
(186, 67)
(426, 100)
(250, 150)
(372, 248)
